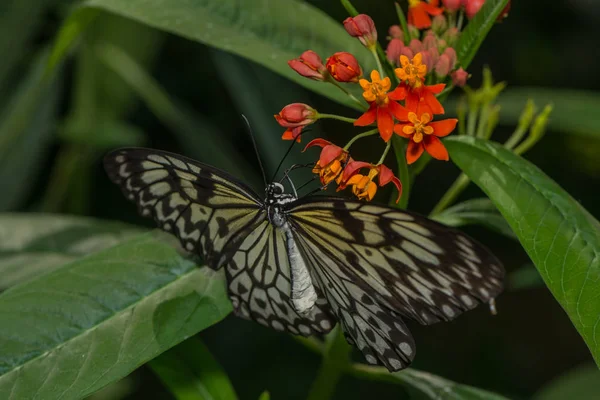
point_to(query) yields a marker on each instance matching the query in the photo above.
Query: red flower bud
(427, 60)
(451, 36)
(363, 28)
(309, 64)
(459, 77)
(295, 115)
(416, 46)
(406, 51)
(430, 42)
(343, 67)
(396, 32)
(472, 7)
(451, 53)
(451, 5)
(442, 67)
(394, 50)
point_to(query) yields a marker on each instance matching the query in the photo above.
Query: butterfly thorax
(303, 293)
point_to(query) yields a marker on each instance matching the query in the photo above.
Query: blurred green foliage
(143, 73)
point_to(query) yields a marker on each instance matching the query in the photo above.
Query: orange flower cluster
(404, 104)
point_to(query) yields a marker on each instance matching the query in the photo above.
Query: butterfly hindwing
(203, 206)
(258, 278)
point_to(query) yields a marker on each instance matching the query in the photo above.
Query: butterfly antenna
(262, 168)
(303, 133)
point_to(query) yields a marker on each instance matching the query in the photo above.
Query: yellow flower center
(363, 186)
(413, 3)
(419, 127)
(413, 71)
(377, 89)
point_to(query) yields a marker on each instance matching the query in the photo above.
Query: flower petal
(386, 176)
(352, 168)
(399, 93)
(317, 142)
(444, 127)
(412, 101)
(413, 151)
(435, 148)
(437, 89)
(385, 123)
(368, 117)
(399, 129)
(433, 103)
(398, 111)
(329, 153)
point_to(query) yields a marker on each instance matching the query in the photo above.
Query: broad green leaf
(107, 133)
(581, 383)
(560, 236)
(26, 128)
(267, 32)
(478, 212)
(191, 372)
(473, 35)
(77, 329)
(425, 385)
(35, 244)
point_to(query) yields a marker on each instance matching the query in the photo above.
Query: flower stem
(343, 89)
(373, 50)
(385, 152)
(461, 16)
(403, 24)
(403, 174)
(457, 187)
(338, 117)
(360, 136)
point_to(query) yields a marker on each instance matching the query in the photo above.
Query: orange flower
(381, 108)
(423, 135)
(419, 12)
(412, 89)
(363, 186)
(331, 162)
(293, 134)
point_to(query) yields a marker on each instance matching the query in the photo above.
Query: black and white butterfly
(300, 265)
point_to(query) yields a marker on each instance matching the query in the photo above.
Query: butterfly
(301, 265)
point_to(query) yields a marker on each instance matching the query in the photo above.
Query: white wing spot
(406, 348)
(120, 159)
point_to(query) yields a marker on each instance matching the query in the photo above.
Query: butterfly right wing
(203, 206)
(258, 276)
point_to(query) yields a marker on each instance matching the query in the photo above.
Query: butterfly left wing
(375, 264)
(202, 205)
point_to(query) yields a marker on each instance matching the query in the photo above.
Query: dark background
(531, 341)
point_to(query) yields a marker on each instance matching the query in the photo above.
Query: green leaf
(105, 134)
(191, 372)
(26, 127)
(268, 32)
(265, 396)
(476, 212)
(35, 244)
(472, 37)
(581, 383)
(560, 236)
(525, 277)
(77, 329)
(424, 385)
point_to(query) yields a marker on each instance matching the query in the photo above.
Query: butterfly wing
(258, 277)
(375, 264)
(203, 206)
(222, 219)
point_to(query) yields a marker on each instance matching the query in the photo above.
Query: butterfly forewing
(201, 205)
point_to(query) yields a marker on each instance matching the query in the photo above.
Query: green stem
(472, 120)
(338, 117)
(457, 187)
(483, 120)
(335, 361)
(461, 16)
(385, 152)
(403, 24)
(376, 57)
(403, 174)
(343, 89)
(360, 136)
